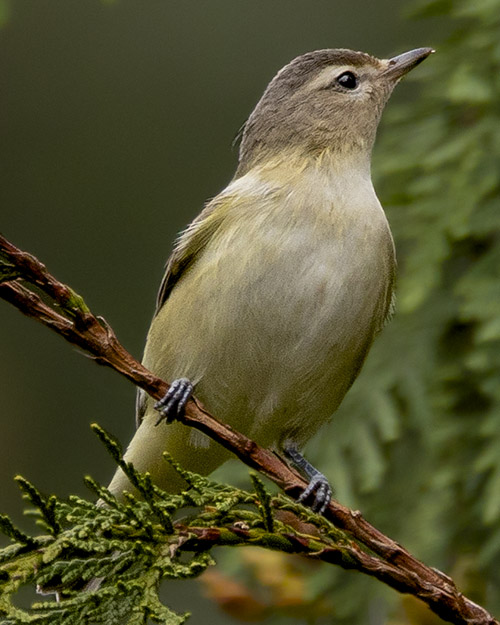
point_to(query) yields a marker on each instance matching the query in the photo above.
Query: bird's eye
(348, 80)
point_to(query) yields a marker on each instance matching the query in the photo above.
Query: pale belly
(272, 325)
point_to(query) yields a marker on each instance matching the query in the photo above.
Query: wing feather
(189, 245)
(186, 251)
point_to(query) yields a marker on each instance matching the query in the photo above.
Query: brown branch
(348, 555)
(67, 314)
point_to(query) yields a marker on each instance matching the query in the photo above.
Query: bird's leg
(172, 405)
(319, 487)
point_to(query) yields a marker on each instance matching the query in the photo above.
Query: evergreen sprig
(104, 562)
(431, 382)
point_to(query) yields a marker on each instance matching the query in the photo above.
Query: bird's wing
(187, 249)
(189, 244)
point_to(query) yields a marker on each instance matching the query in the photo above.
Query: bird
(274, 294)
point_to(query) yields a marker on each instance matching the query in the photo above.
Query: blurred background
(116, 122)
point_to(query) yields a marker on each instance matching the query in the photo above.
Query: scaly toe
(172, 405)
(320, 488)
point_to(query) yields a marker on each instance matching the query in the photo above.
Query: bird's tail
(192, 450)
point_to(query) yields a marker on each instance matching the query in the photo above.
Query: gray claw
(322, 491)
(172, 405)
(318, 486)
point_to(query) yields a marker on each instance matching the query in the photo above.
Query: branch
(23, 277)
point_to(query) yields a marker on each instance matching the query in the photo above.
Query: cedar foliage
(416, 445)
(104, 563)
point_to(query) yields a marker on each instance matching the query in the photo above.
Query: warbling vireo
(276, 291)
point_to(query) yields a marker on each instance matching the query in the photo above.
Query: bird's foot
(318, 489)
(172, 405)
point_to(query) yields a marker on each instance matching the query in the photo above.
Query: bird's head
(327, 99)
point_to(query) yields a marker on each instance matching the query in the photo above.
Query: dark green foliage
(103, 563)
(45, 507)
(416, 446)
(8, 528)
(417, 443)
(264, 502)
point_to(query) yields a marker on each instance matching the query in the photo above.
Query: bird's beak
(400, 65)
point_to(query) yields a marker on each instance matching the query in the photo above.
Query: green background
(116, 125)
